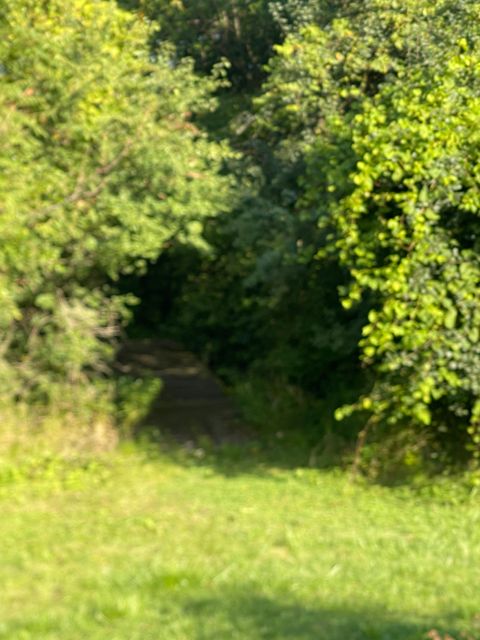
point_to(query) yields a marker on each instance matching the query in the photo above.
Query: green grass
(142, 547)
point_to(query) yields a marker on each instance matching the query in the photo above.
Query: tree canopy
(334, 249)
(102, 165)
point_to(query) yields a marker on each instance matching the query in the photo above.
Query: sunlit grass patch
(143, 547)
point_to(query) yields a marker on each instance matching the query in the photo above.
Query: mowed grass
(140, 547)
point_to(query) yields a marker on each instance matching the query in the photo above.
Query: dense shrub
(361, 187)
(101, 166)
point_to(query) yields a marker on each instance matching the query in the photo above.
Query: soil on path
(192, 403)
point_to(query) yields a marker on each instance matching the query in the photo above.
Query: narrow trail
(192, 403)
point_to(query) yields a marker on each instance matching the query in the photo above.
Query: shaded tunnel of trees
(289, 188)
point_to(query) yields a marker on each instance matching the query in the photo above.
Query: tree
(240, 31)
(408, 233)
(386, 108)
(364, 137)
(101, 165)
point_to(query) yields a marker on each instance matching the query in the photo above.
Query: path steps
(192, 403)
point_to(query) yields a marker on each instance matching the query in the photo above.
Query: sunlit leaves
(101, 166)
(382, 101)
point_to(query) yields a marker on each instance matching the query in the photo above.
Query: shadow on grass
(257, 456)
(172, 401)
(244, 450)
(258, 451)
(261, 618)
(236, 615)
(230, 446)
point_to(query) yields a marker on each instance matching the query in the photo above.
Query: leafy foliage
(101, 166)
(390, 142)
(335, 251)
(361, 184)
(212, 30)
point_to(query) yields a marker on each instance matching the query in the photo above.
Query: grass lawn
(140, 548)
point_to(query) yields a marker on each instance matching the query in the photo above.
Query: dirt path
(192, 403)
